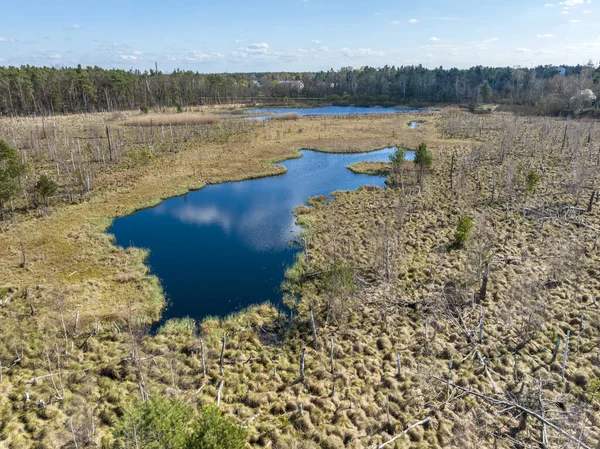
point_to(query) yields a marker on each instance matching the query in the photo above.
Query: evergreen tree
(423, 160)
(11, 168)
(486, 92)
(46, 187)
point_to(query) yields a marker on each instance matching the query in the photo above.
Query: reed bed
(182, 119)
(288, 116)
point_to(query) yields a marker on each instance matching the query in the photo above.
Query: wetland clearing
(445, 310)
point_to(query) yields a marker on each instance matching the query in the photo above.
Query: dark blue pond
(332, 110)
(226, 246)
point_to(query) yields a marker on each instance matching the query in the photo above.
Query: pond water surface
(226, 246)
(332, 110)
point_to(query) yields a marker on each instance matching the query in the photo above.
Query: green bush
(423, 156)
(463, 231)
(423, 159)
(398, 157)
(532, 180)
(213, 431)
(46, 187)
(163, 423)
(144, 108)
(159, 423)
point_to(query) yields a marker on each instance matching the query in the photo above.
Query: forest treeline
(29, 90)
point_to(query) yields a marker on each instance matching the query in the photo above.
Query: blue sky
(297, 35)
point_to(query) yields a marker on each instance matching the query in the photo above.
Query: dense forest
(46, 90)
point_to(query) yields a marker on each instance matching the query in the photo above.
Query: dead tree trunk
(484, 282)
(331, 356)
(219, 392)
(314, 329)
(110, 148)
(302, 359)
(591, 202)
(202, 357)
(565, 355)
(222, 354)
(452, 171)
(23, 255)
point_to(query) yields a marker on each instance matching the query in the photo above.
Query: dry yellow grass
(170, 119)
(288, 116)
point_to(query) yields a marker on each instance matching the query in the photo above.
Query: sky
(297, 35)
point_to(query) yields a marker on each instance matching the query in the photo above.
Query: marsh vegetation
(457, 308)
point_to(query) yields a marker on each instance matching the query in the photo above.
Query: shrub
(159, 423)
(213, 431)
(423, 159)
(532, 180)
(144, 108)
(46, 187)
(397, 158)
(463, 231)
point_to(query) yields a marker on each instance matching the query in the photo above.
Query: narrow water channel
(224, 247)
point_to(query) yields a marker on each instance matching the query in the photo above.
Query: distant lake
(332, 110)
(222, 248)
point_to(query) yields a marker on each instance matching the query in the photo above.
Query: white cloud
(396, 22)
(6, 39)
(587, 11)
(138, 53)
(549, 5)
(77, 27)
(1, 60)
(200, 56)
(363, 51)
(435, 39)
(564, 12)
(570, 3)
(54, 56)
(366, 51)
(543, 36)
(412, 21)
(574, 21)
(128, 57)
(258, 48)
(315, 41)
(492, 39)
(522, 50)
